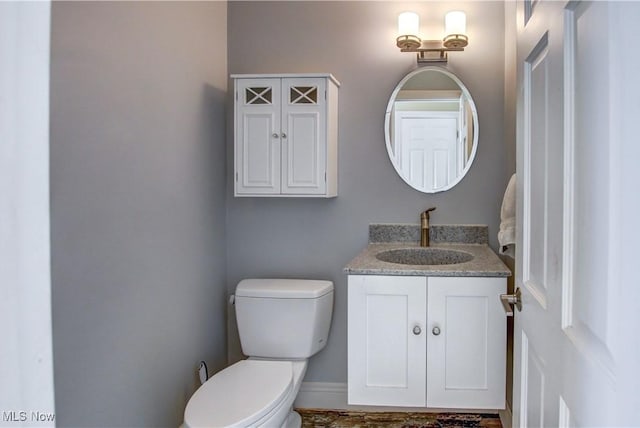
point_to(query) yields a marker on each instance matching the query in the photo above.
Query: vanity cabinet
(466, 342)
(387, 316)
(426, 341)
(286, 135)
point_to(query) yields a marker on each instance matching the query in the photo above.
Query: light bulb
(408, 24)
(455, 25)
(455, 22)
(408, 28)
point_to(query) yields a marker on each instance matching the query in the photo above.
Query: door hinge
(236, 95)
(325, 176)
(236, 175)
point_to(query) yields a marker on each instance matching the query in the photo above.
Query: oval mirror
(431, 129)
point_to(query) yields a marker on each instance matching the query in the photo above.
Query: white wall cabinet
(426, 341)
(286, 135)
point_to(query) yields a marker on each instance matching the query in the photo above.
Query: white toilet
(282, 322)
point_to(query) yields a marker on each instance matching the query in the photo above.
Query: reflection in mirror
(431, 129)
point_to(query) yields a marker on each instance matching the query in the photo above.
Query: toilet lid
(240, 394)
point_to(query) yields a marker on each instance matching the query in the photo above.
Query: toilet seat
(240, 395)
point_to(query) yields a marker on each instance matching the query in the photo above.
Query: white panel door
(428, 147)
(258, 136)
(466, 340)
(386, 340)
(571, 360)
(540, 198)
(304, 136)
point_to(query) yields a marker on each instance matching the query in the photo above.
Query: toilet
(281, 322)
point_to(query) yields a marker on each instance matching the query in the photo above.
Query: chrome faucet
(424, 227)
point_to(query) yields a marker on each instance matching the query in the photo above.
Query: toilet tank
(283, 318)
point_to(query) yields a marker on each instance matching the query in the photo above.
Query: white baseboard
(322, 395)
(328, 395)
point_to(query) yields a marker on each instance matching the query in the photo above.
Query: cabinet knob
(284, 135)
(417, 330)
(274, 135)
(436, 331)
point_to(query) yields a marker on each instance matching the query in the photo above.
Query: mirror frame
(474, 110)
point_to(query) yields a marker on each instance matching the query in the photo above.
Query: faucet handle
(425, 214)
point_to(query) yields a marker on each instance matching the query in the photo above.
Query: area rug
(312, 418)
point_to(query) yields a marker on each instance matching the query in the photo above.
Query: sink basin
(424, 256)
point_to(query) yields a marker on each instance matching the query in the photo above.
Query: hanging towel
(507, 233)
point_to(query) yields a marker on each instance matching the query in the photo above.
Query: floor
(312, 418)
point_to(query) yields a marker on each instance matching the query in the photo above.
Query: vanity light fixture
(432, 50)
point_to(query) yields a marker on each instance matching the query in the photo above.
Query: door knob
(417, 330)
(284, 135)
(510, 300)
(436, 331)
(274, 135)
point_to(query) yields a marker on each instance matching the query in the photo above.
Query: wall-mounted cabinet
(286, 135)
(426, 341)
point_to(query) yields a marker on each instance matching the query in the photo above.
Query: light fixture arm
(430, 51)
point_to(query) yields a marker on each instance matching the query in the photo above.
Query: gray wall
(510, 78)
(138, 207)
(356, 42)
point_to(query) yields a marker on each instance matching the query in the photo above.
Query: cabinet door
(304, 136)
(386, 357)
(466, 357)
(257, 139)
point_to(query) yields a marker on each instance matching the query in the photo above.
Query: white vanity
(427, 335)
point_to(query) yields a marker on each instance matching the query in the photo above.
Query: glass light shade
(455, 22)
(408, 24)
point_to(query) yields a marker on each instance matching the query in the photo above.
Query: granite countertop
(468, 239)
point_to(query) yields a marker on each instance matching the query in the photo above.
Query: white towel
(507, 233)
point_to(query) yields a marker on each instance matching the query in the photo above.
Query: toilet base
(294, 420)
